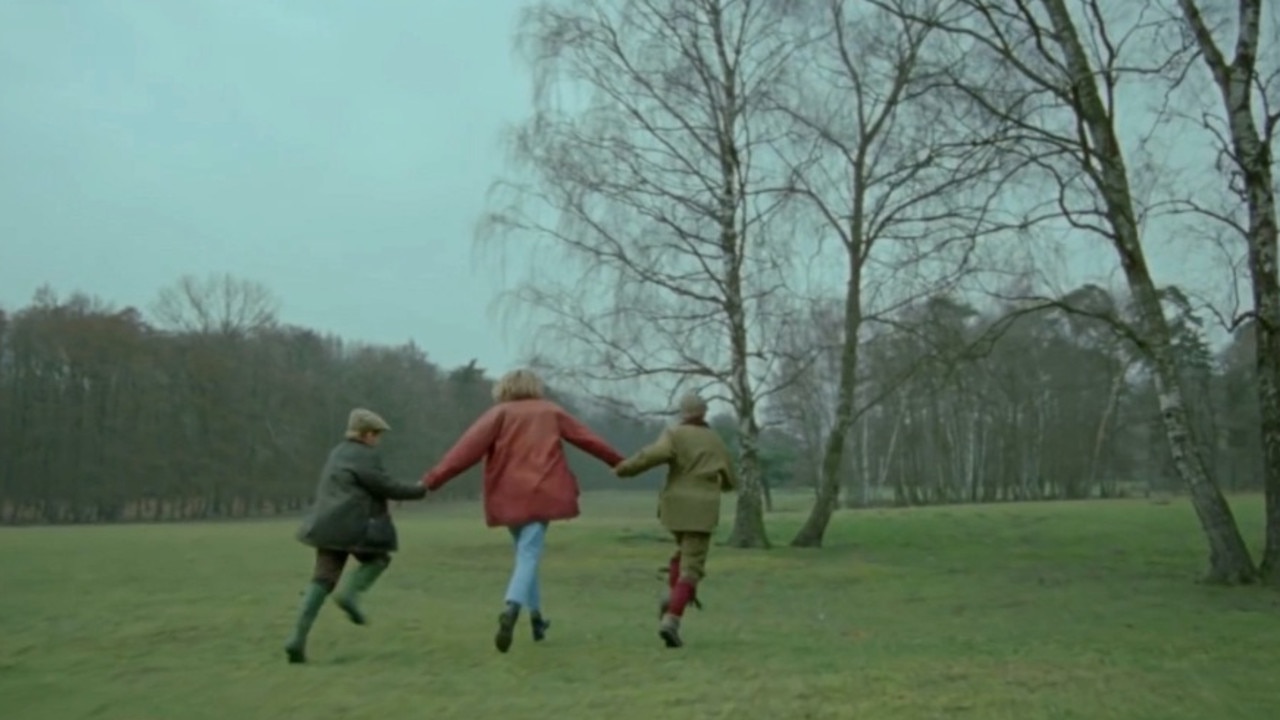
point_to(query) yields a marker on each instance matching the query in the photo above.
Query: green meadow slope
(1067, 610)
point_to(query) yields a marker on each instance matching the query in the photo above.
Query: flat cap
(361, 421)
(692, 406)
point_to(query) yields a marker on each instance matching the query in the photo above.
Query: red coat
(526, 476)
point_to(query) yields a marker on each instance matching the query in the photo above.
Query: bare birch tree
(648, 191)
(891, 171)
(1056, 77)
(1251, 119)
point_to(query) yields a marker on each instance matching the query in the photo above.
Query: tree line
(842, 218)
(208, 407)
(213, 409)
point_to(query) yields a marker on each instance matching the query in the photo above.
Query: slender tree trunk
(1252, 153)
(1266, 299)
(748, 524)
(1229, 559)
(887, 464)
(859, 495)
(813, 530)
(1104, 426)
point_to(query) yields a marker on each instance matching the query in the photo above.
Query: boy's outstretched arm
(660, 452)
(466, 452)
(580, 436)
(374, 478)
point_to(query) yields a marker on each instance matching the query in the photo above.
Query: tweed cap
(361, 421)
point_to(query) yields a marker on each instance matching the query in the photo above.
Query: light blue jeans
(523, 588)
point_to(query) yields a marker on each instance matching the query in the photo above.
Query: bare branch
(216, 304)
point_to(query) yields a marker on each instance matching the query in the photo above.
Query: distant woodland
(206, 406)
(212, 409)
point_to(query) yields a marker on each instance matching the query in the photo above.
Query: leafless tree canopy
(651, 178)
(641, 153)
(768, 197)
(1246, 84)
(1055, 72)
(216, 305)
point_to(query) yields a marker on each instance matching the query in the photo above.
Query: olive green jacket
(699, 469)
(350, 511)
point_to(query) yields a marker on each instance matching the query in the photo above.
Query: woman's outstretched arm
(581, 437)
(467, 451)
(659, 452)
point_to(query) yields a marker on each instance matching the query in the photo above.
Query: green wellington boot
(361, 579)
(312, 600)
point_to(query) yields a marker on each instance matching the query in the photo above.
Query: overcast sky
(336, 151)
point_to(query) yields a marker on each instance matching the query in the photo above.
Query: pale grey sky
(336, 151)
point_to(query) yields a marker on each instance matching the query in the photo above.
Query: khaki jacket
(699, 469)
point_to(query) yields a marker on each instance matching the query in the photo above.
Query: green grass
(1070, 610)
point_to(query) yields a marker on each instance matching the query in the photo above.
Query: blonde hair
(522, 384)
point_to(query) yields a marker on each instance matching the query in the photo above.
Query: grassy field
(1071, 610)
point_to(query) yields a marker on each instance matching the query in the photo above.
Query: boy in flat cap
(699, 469)
(350, 517)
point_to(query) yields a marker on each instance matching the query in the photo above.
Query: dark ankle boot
(506, 627)
(295, 648)
(669, 631)
(669, 627)
(540, 626)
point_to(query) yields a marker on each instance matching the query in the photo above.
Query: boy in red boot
(670, 574)
(699, 469)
